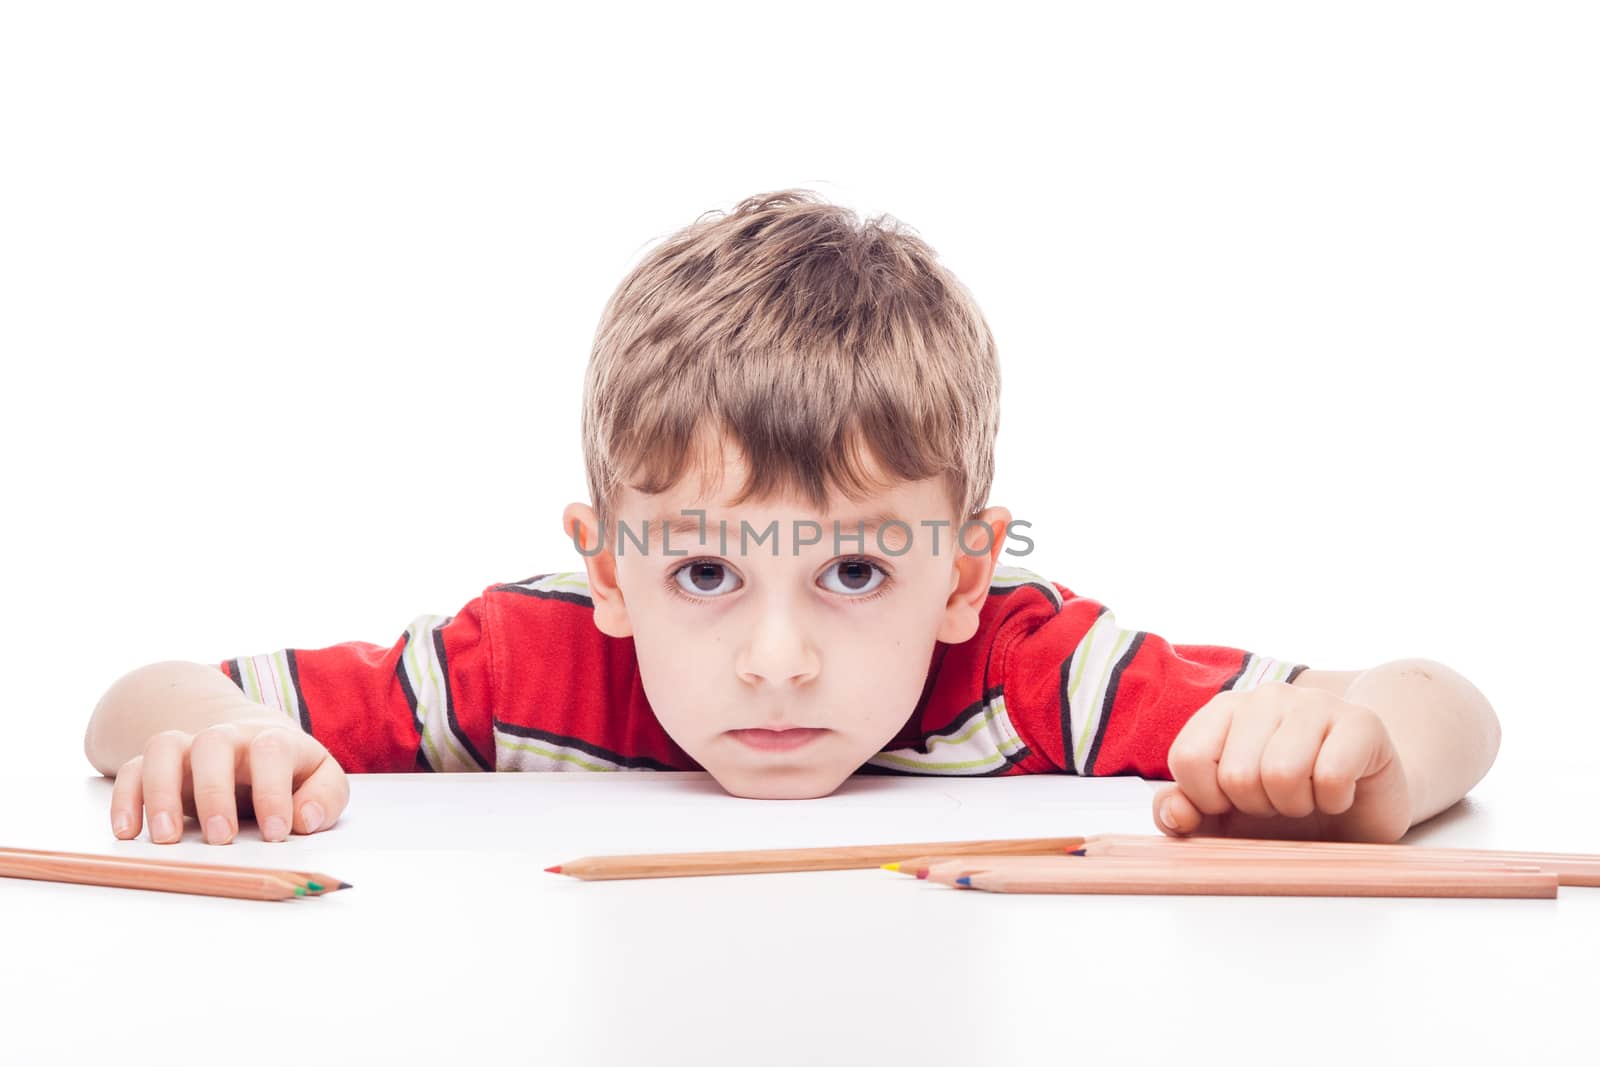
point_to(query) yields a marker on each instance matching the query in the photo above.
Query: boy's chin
(809, 785)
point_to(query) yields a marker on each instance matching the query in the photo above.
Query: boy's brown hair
(803, 338)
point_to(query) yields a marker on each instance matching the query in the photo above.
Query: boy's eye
(704, 579)
(855, 576)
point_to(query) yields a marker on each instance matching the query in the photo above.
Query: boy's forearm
(1443, 728)
(172, 695)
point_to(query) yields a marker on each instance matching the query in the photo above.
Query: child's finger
(127, 800)
(1287, 762)
(1239, 769)
(165, 755)
(212, 755)
(321, 798)
(271, 761)
(1193, 756)
(1341, 762)
(1175, 814)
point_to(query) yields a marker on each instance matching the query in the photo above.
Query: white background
(1296, 307)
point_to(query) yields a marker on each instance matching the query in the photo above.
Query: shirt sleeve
(1093, 697)
(422, 703)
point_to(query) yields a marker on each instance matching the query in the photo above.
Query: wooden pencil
(1571, 868)
(315, 883)
(950, 871)
(915, 865)
(945, 871)
(772, 861)
(131, 874)
(1278, 876)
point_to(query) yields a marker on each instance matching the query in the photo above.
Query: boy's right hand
(278, 771)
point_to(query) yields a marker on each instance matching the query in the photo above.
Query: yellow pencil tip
(892, 867)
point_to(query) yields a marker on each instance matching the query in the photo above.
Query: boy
(789, 576)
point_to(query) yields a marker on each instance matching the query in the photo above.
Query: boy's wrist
(165, 696)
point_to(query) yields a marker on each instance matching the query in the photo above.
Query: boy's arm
(1443, 728)
(172, 695)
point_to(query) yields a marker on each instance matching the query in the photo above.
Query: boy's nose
(777, 652)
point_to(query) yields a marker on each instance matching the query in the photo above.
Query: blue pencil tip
(964, 880)
(1079, 852)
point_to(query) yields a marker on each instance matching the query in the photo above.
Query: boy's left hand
(1285, 761)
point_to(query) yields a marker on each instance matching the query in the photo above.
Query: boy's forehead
(683, 510)
(690, 520)
(697, 503)
(688, 513)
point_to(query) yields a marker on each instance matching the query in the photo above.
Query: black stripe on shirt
(547, 594)
(527, 581)
(922, 746)
(1050, 593)
(1067, 735)
(1111, 700)
(450, 700)
(535, 734)
(411, 699)
(1234, 678)
(299, 694)
(1022, 753)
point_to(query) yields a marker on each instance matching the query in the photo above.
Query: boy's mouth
(778, 740)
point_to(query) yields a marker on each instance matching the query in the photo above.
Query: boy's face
(782, 670)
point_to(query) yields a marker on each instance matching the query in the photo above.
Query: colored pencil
(175, 876)
(772, 861)
(950, 871)
(1253, 876)
(918, 864)
(315, 883)
(1571, 868)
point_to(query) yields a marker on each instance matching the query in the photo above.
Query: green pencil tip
(299, 892)
(314, 887)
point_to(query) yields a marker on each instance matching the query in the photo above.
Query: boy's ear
(581, 525)
(971, 574)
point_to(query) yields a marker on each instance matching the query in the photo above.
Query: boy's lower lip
(778, 740)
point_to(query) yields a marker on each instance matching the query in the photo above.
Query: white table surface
(455, 946)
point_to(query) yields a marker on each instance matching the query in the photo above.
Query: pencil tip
(1079, 852)
(344, 885)
(299, 891)
(315, 887)
(554, 870)
(891, 867)
(922, 872)
(964, 881)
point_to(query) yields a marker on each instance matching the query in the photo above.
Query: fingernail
(1166, 817)
(161, 826)
(273, 829)
(123, 824)
(312, 815)
(217, 829)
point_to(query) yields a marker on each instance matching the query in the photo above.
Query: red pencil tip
(554, 870)
(923, 873)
